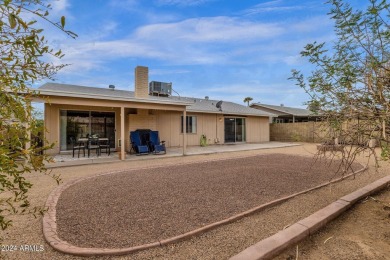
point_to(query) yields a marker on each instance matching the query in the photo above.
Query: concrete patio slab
(65, 160)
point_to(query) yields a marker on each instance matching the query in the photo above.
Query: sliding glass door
(82, 124)
(234, 130)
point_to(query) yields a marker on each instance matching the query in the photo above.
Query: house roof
(193, 104)
(284, 110)
(67, 90)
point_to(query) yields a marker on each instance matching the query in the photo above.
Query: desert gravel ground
(219, 243)
(145, 206)
(360, 233)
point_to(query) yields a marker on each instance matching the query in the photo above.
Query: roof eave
(106, 97)
(226, 113)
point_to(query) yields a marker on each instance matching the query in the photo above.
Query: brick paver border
(274, 245)
(49, 222)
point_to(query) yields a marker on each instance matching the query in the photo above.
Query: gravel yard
(220, 243)
(135, 207)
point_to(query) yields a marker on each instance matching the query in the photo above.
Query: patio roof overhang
(69, 98)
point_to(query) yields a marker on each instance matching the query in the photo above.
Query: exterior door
(230, 130)
(234, 130)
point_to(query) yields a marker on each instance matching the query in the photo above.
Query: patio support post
(123, 155)
(184, 131)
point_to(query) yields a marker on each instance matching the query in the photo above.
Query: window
(190, 124)
(81, 124)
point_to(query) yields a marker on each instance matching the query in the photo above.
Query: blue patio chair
(136, 143)
(155, 144)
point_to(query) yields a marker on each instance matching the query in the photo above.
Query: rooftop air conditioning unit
(160, 88)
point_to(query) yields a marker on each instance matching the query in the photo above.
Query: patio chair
(104, 144)
(93, 144)
(155, 144)
(136, 143)
(77, 146)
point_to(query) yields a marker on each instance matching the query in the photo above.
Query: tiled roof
(193, 104)
(285, 110)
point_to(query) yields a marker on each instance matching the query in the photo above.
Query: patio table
(84, 140)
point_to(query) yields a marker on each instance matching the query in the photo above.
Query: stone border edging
(274, 245)
(50, 225)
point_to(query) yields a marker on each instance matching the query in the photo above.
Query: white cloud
(274, 94)
(105, 31)
(59, 7)
(209, 29)
(250, 88)
(271, 6)
(129, 5)
(312, 24)
(207, 40)
(157, 72)
(177, 43)
(293, 60)
(182, 2)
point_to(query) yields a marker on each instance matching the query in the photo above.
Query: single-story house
(285, 114)
(79, 111)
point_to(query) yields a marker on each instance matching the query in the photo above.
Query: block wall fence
(297, 132)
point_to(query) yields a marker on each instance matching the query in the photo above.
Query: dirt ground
(228, 240)
(362, 232)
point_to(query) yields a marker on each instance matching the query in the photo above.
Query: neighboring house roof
(283, 110)
(193, 104)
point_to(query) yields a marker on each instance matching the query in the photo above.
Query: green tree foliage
(24, 60)
(350, 86)
(247, 100)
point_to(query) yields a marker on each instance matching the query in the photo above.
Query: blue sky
(226, 50)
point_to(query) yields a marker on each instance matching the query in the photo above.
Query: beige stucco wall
(211, 125)
(257, 129)
(169, 125)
